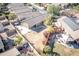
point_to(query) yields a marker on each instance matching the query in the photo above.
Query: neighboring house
(1, 43)
(70, 13)
(9, 30)
(6, 29)
(11, 52)
(70, 26)
(3, 22)
(26, 14)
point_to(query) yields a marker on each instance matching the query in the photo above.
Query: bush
(18, 40)
(0, 14)
(11, 16)
(50, 29)
(7, 13)
(52, 9)
(76, 7)
(47, 50)
(49, 20)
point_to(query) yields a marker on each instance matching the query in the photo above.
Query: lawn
(64, 51)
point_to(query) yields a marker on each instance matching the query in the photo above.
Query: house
(11, 52)
(26, 14)
(70, 26)
(6, 29)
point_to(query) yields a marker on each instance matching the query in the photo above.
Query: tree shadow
(52, 51)
(53, 46)
(55, 54)
(8, 43)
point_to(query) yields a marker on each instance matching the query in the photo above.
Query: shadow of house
(8, 43)
(38, 27)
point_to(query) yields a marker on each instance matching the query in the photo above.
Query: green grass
(64, 51)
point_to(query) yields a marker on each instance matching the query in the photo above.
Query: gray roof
(74, 26)
(26, 14)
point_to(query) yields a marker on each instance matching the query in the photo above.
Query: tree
(53, 10)
(18, 40)
(49, 20)
(3, 4)
(50, 29)
(11, 16)
(76, 7)
(47, 50)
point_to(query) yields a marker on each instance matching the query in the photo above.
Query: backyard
(64, 51)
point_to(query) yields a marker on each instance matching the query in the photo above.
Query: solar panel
(71, 24)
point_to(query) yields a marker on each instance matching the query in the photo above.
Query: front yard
(63, 51)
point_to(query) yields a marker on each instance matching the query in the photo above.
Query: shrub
(18, 40)
(11, 16)
(52, 9)
(50, 29)
(49, 20)
(47, 50)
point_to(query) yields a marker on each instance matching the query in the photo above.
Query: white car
(23, 29)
